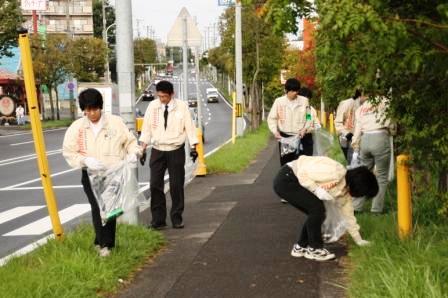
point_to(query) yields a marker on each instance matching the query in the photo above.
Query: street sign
(37, 5)
(175, 36)
(226, 2)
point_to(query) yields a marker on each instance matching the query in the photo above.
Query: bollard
(323, 119)
(138, 124)
(331, 124)
(201, 169)
(404, 197)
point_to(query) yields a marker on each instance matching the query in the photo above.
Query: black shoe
(178, 225)
(157, 226)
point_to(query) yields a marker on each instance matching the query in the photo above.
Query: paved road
(23, 213)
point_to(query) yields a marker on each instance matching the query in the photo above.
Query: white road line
(17, 144)
(55, 187)
(28, 133)
(17, 212)
(29, 155)
(35, 180)
(27, 158)
(26, 249)
(44, 225)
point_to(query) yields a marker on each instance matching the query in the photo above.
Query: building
(62, 16)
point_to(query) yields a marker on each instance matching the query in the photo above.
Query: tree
(51, 63)
(87, 56)
(145, 52)
(11, 19)
(98, 20)
(262, 55)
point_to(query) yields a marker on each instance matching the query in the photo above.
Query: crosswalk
(41, 225)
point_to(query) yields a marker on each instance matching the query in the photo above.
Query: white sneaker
(298, 251)
(104, 252)
(284, 201)
(319, 254)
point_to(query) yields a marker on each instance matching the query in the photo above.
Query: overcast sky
(161, 14)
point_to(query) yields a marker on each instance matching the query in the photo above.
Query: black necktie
(165, 115)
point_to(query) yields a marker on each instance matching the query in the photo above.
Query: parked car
(212, 95)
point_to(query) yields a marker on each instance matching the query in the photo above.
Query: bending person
(309, 180)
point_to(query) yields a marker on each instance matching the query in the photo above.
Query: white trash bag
(289, 145)
(334, 226)
(115, 189)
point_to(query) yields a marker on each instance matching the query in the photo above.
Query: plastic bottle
(308, 113)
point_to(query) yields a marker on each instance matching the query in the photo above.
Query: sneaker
(104, 252)
(319, 254)
(284, 201)
(298, 251)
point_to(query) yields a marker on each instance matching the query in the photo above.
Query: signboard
(34, 5)
(226, 2)
(6, 106)
(176, 36)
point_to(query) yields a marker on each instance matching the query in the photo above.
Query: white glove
(94, 164)
(363, 242)
(322, 194)
(356, 162)
(131, 158)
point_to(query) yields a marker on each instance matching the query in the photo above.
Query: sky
(161, 14)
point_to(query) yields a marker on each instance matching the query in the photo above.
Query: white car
(212, 95)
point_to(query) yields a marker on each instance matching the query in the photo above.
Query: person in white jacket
(306, 182)
(95, 142)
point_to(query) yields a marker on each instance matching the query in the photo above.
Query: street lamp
(107, 74)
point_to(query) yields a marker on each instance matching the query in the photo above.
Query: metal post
(38, 136)
(107, 74)
(125, 62)
(34, 22)
(201, 169)
(185, 59)
(106, 66)
(238, 66)
(404, 197)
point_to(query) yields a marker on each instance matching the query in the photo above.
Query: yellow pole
(331, 124)
(234, 117)
(38, 136)
(404, 197)
(201, 169)
(324, 119)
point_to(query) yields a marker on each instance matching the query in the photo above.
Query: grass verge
(72, 268)
(233, 158)
(52, 123)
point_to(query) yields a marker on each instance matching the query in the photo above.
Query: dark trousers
(288, 187)
(104, 235)
(160, 161)
(307, 144)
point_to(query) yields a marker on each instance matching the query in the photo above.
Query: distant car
(148, 96)
(192, 101)
(212, 95)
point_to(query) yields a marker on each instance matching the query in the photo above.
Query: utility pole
(106, 68)
(238, 66)
(125, 62)
(185, 57)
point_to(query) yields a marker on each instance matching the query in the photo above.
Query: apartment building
(77, 14)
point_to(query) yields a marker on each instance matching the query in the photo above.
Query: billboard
(34, 4)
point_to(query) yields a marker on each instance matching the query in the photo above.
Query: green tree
(11, 19)
(145, 52)
(87, 56)
(51, 64)
(98, 20)
(262, 55)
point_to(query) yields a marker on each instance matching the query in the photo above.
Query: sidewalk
(236, 243)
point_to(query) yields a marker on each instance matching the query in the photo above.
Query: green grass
(72, 268)
(233, 158)
(52, 123)
(417, 267)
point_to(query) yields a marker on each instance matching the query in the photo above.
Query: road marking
(28, 133)
(35, 180)
(26, 249)
(23, 158)
(17, 144)
(44, 224)
(55, 187)
(17, 212)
